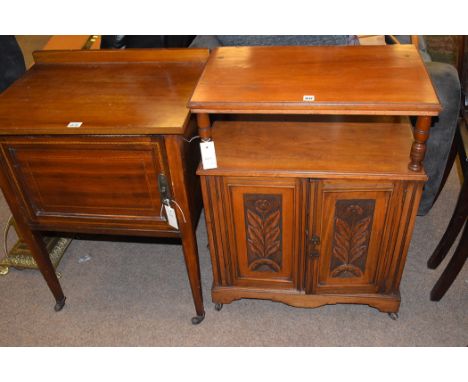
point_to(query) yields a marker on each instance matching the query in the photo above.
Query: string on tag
(168, 204)
(160, 212)
(191, 139)
(180, 209)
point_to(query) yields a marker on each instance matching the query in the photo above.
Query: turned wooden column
(418, 149)
(204, 126)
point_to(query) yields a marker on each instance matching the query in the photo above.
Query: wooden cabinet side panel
(214, 228)
(408, 204)
(191, 159)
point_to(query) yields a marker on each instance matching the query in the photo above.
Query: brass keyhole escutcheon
(313, 243)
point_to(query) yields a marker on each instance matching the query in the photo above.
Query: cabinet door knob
(313, 243)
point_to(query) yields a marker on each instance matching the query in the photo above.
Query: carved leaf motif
(360, 229)
(254, 233)
(350, 240)
(272, 233)
(272, 248)
(254, 220)
(359, 242)
(342, 239)
(255, 248)
(263, 226)
(272, 220)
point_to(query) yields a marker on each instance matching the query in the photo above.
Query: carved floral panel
(263, 216)
(352, 230)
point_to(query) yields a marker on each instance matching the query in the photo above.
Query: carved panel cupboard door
(264, 225)
(348, 239)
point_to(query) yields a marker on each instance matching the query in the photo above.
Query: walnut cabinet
(306, 238)
(319, 171)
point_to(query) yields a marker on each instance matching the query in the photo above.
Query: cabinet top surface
(126, 92)
(316, 80)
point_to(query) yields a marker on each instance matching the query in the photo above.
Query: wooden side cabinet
(98, 142)
(319, 171)
(306, 241)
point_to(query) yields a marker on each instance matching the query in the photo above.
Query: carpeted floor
(137, 294)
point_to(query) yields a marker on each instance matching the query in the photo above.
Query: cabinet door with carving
(264, 220)
(348, 235)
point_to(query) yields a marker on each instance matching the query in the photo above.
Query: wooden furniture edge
(47, 129)
(324, 108)
(383, 302)
(414, 176)
(290, 107)
(196, 55)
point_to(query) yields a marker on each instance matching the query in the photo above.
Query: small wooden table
(319, 174)
(95, 142)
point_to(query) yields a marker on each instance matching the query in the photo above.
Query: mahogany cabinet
(319, 173)
(98, 142)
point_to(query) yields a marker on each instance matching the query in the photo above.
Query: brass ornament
(20, 256)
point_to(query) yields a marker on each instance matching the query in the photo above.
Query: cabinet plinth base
(384, 303)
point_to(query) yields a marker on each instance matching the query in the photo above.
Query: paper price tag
(171, 216)
(308, 98)
(74, 124)
(208, 155)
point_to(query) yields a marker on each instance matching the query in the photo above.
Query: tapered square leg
(184, 206)
(38, 250)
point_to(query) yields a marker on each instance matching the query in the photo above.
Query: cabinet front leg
(189, 244)
(33, 239)
(36, 245)
(186, 218)
(418, 149)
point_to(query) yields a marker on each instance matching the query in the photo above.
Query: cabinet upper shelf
(329, 147)
(382, 80)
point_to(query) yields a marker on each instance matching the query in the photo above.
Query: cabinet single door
(264, 223)
(347, 239)
(98, 182)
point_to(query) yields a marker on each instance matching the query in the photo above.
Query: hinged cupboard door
(264, 219)
(347, 235)
(97, 182)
